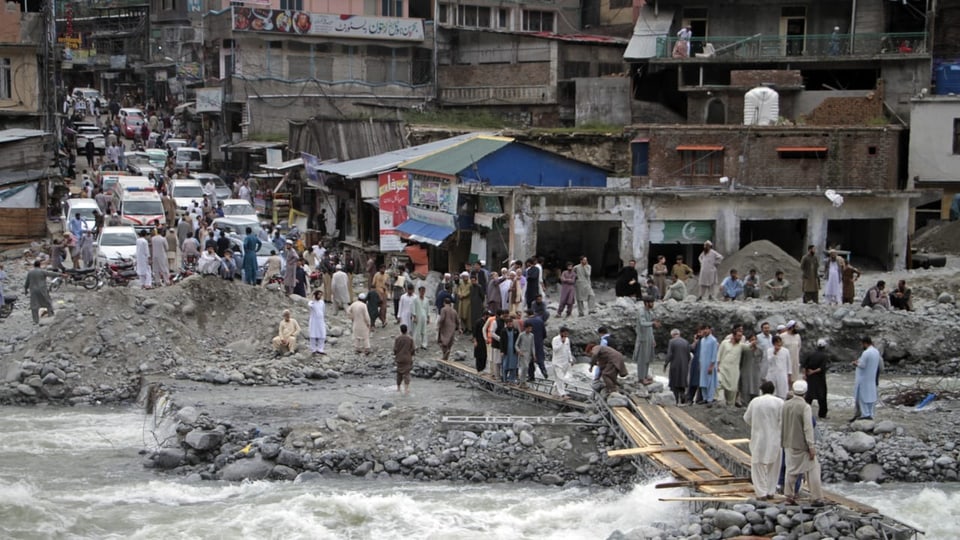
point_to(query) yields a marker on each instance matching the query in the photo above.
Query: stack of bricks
(849, 111)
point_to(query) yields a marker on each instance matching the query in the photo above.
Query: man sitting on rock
(900, 298)
(751, 284)
(286, 340)
(876, 297)
(676, 290)
(732, 286)
(779, 288)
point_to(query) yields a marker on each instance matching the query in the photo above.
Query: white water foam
(933, 510)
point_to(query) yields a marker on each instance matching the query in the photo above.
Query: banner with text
(393, 193)
(275, 21)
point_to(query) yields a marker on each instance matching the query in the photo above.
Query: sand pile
(943, 237)
(767, 258)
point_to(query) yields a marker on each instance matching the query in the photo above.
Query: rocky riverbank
(757, 518)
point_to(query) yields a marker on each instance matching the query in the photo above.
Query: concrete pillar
(727, 231)
(817, 230)
(898, 240)
(635, 233)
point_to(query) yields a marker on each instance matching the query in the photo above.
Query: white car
(187, 157)
(87, 132)
(239, 209)
(219, 186)
(185, 192)
(87, 93)
(129, 111)
(173, 144)
(84, 207)
(116, 242)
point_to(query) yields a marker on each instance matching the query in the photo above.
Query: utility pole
(48, 86)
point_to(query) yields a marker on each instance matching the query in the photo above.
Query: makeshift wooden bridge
(538, 391)
(717, 469)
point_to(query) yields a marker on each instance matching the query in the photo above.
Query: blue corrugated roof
(424, 232)
(373, 165)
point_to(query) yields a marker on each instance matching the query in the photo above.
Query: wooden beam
(643, 451)
(704, 499)
(715, 481)
(738, 441)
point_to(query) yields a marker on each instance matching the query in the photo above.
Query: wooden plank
(703, 499)
(737, 441)
(642, 451)
(665, 485)
(466, 370)
(654, 416)
(737, 489)
(676, 468)
(849, 503)
(632, 425)
(708, 437)
(708, 462)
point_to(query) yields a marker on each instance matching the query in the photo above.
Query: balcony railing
(816, 46)
(504, 95)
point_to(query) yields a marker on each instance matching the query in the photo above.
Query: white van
(135, 183)
(142, 209)
(188, 157)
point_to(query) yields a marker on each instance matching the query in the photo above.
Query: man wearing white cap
(764, 416)
(791, 342)
(799, 449)
(360, 316)
(814, 368)
(340, 285)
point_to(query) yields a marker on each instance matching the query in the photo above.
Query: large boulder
(203, 440)
(247, 469)
(858, 442)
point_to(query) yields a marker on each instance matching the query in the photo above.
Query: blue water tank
(948, 79)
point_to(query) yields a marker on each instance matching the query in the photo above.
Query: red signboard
(393, 193)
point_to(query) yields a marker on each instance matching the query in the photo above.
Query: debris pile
(940, 237)
(767, 258)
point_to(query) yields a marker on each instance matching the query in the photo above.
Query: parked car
(173, 144)
(220, 187)
(184, 191)
(187, 157)
(130, 111)
(86, 132)
(236, 246)
(116, 242)
(132, 126)
(237, 226)
(87, 93)
(157, 157)
(84, 207)
(238, 209)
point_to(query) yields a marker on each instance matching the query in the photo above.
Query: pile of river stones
(778, 521)
(204, 449)
(877, 451)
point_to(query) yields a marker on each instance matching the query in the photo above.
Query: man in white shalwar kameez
(405, 307)
(763, 417)
(778, 368)
(161, 270)
(360, 316)
(420, 315)
(339, 285)
(318, 323)
(562, 360)
(143, 261)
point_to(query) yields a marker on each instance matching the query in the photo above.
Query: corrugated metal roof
(372, 165)
(457, 158)
(18, 134)
(19, 177)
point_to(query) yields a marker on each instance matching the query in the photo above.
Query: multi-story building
(286, 61)
(105, 47)
(20, 70)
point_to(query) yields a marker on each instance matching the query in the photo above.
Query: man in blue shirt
(732, 286)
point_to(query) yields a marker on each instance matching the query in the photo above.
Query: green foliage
(457, 118)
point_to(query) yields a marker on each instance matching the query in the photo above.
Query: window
(956, 125)
(5, 82)
(391, 8)
(573, 70)
(640, 150)
(295, 5)
(802, 152)
(701, 160)
(537, 21)
(473, 16)
(443, 15)
(503, 18)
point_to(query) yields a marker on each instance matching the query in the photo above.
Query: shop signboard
(277, 21)
(393, 195)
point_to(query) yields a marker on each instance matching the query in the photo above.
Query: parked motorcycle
(86, 277)
(117, 273)
(9, 299)
(187, 269)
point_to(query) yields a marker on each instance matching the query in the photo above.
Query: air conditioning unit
(188, 34)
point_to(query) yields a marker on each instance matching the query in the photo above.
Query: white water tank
(761, 107)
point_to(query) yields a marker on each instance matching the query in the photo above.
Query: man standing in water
(764, 417)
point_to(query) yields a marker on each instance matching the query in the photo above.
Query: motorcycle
(118, 272)
(9, 299)
(86, 277)
(187, 269)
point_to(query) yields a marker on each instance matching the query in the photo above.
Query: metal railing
(501, 94)
(812, 45)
